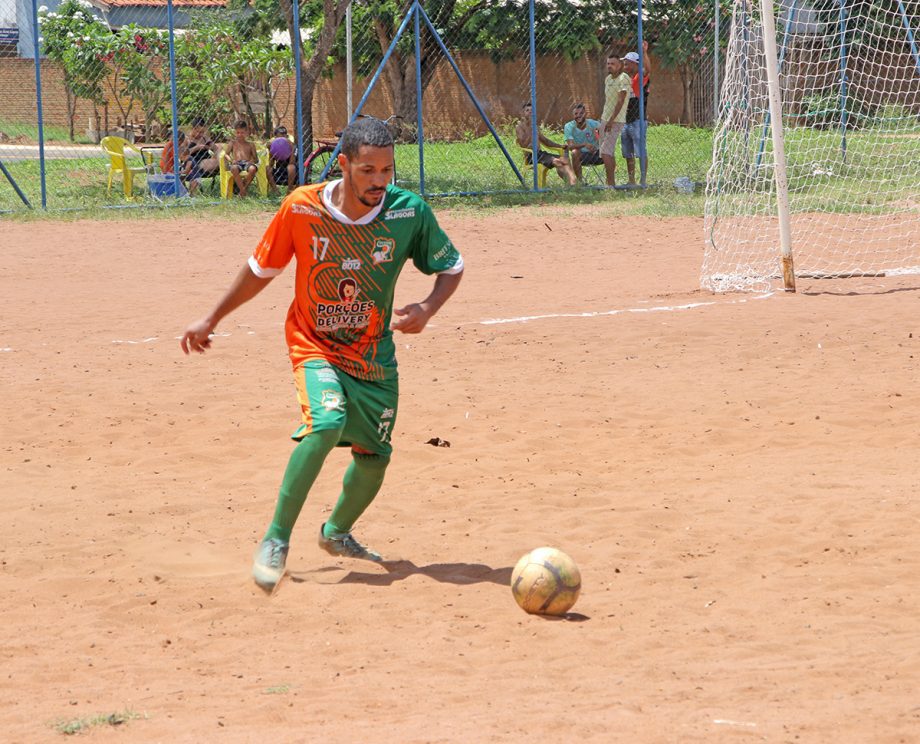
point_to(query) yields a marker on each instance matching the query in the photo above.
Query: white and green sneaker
(268, 566)
(345, 546)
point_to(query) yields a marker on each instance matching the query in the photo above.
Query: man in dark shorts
(583, 139)
(524, 136)
(281, 168)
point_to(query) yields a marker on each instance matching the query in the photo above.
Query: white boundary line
(607, 313)
(523, 318)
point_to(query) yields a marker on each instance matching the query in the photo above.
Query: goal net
(849, 75)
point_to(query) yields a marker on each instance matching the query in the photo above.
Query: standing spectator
(524, 135)
(632, 142)
(616, 90)
(583, 139)
(281, 168)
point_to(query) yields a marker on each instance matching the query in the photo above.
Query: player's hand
(412, 318)
(197, 337)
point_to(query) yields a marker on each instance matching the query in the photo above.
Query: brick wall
(500, 88)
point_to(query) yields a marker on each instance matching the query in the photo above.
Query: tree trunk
(686, 77)
(71, 108)
(311, 68)
(401, 70)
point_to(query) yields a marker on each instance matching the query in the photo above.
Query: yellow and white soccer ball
(546, 582)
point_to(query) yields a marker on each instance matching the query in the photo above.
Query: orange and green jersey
(346, 273)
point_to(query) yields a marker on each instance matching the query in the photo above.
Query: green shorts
(365, 410)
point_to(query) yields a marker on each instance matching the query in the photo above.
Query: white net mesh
(850, 85)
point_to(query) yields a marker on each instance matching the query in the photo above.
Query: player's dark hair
(365, 132)
(241, 124)
(198, 121)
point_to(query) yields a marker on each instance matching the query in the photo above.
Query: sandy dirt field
(736, 476)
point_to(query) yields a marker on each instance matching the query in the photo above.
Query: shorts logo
(332, 400)
(383, 250)
(304, 209)
(388, 413)
(351, 264)
(399, 214)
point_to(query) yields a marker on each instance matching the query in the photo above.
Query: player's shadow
(446, 573)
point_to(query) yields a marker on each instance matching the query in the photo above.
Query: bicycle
(317, 160)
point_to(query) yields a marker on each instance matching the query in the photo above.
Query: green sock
(362, 482)
(306, 461)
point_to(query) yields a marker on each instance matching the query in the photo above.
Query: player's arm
(413, 318)
(197, 336)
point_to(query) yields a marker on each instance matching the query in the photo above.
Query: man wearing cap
(631, 141)
(616, 91)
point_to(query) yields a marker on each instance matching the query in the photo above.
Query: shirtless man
(242, 158)
(524, 136)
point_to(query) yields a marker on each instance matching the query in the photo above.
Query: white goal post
(816, 154)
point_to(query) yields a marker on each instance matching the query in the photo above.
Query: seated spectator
(202, 152)
(167, 159)
(583, 139)
(241, 157)
(524, 135)
(281, 168)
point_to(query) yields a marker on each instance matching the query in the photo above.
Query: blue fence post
(170, 22)
(535, 140)
(910, 35)
(38, 105)
(298, 105)
(418, 102)
(643, 156)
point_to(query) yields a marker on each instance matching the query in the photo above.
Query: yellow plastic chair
(542, 170)
(115, 148)
(226, 177)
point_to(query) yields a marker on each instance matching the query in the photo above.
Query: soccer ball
(546, 582)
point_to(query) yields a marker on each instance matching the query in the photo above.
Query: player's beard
(370, 197)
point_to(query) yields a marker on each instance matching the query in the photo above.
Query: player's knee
(370, 461)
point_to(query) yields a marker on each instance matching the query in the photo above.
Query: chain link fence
(103, 135)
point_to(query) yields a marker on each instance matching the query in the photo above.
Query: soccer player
(350, 238)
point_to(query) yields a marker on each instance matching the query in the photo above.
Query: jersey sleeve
(276, 248)
(433, 253)
(568, 132)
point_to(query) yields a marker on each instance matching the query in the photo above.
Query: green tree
(683, 32)
(72, 37)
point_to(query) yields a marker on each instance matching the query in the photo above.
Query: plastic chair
(226, 177)
(542, 170)
(115, 148)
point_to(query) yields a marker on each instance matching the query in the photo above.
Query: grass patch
(277, 690)
(79, 725)
(477, 165)
(29, 133)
